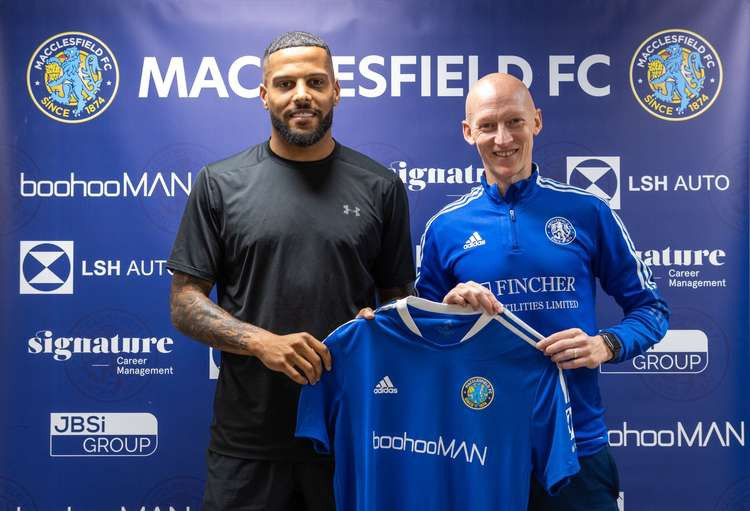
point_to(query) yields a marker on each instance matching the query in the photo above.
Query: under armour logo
(348, 210)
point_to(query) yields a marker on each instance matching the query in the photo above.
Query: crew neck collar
(304, 163)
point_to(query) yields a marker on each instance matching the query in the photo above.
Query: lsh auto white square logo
(599, 175)
(46, 268)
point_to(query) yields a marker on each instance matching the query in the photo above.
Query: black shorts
(595, 488)
(236, 484)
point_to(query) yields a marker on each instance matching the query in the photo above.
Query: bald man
(537, 246)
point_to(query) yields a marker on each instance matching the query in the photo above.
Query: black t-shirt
(292, 246)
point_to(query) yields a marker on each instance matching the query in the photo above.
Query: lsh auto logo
(72, 77)
(599, 175)
(676, 75)
(46, 267)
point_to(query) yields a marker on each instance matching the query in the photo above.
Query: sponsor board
(417, 179)
(108, 355)
(679, 183)
(675, 75)
(679, 352)
(103, 434)
(686, 268)
(369, 76)
(50, 267)
(128, 185)
(700, 434)
(599, 175)
(72, 77)
(46, 267)
(698, 383)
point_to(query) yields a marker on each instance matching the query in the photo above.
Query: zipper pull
(512, 215)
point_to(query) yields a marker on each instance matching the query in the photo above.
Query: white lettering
(208, 77)
(163, 84)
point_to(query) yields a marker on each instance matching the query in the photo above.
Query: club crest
(675, 75)
(72, 77)
(559, 230)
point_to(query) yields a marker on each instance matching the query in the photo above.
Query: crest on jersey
(559, 230)
(477, 393)
(72, 77)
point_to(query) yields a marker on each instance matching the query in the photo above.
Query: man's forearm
(195, 315)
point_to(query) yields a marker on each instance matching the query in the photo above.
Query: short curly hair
(296, 39)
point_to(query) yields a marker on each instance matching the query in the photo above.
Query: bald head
(497, 88)
(502, 121)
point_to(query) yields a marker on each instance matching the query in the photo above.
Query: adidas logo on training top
(475, 240)
(385, 386)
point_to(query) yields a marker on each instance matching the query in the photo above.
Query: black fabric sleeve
(395, 264)
(197, 248)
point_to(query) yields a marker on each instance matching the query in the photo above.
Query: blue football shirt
(434, 406)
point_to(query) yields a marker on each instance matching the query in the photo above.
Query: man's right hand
(300, 356)
(476, 296)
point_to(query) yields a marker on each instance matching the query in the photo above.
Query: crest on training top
(559, 230)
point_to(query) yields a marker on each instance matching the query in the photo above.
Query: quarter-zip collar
(515, 192)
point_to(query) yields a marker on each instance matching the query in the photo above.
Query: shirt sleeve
(553, 439)
(625, 277)
(395, 263)
(433, 278)
(318, 408)
(197, 247)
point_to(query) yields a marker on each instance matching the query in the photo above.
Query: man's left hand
(573, 348)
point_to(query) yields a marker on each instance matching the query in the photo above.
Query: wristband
(613, 343)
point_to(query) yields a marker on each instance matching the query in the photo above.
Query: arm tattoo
(394, 293)
(194, 314)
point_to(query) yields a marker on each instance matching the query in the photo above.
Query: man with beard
(298, 234)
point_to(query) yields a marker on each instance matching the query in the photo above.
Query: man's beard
(302, 139)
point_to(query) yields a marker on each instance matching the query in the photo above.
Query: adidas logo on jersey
(385, 386)
(475, 240)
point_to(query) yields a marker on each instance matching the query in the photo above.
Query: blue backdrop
(108, 110)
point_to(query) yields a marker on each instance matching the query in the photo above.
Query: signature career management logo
(72, 77)
(675, 75)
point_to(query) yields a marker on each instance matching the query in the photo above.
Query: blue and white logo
(103, 434)
(675, 75)
(559, 230)
(679, 352)
(46, 268)
(599, 175)
(477, 393)
(72, 77)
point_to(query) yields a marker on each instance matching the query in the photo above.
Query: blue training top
(433, 406)
(539, 249)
